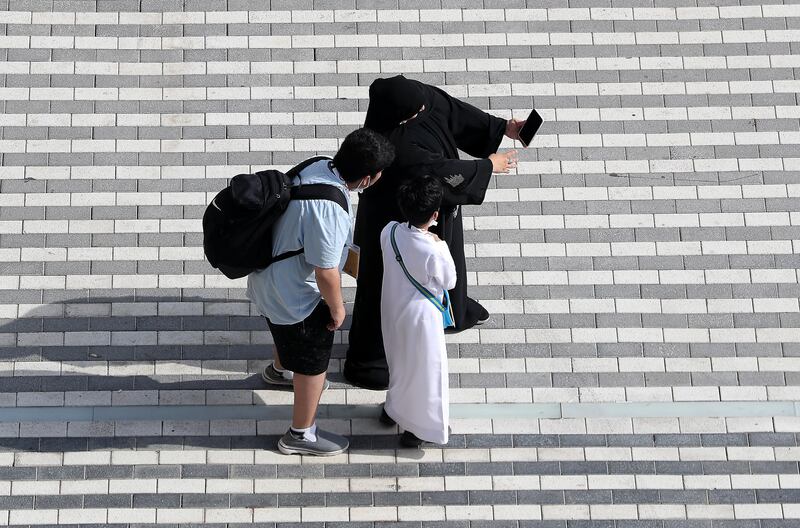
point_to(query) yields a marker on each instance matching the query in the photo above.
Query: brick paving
(640, 368)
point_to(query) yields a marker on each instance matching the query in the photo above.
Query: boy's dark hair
(419, 198)
(363, 153)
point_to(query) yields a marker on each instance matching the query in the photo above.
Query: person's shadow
(153, 343)
(79, 345)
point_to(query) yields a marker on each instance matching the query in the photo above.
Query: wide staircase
(642, 362)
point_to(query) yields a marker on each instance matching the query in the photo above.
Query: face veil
(391, 101)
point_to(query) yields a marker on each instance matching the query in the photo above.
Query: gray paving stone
(731, 496)
(106, 501)
(150, 472)
(21, 502)
(156, 500)
(207, 500)
(109, 472)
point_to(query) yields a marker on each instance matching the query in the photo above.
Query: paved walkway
(642, 363)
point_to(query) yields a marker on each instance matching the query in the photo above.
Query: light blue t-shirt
(286, 292)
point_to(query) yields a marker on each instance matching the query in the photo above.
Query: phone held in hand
(532, 125)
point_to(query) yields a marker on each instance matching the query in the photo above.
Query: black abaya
(426, 144)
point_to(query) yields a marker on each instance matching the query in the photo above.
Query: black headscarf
(393, 100)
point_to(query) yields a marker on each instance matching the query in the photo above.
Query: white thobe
(413, 334)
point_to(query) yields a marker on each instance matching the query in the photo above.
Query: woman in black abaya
(427, 127)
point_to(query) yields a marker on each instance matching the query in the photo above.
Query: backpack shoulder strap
(320, 191)
(313, 191)
(297, 169)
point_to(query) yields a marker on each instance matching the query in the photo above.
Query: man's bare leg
(307, 392)
(276, 361)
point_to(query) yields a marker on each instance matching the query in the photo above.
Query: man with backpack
(301, 296)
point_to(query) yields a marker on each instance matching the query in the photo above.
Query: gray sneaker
(327, 444)
(273, 377)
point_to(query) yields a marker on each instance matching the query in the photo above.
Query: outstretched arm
(476, 132)
(464, 181)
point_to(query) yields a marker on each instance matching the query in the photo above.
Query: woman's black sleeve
(476, 132)
(464, 181)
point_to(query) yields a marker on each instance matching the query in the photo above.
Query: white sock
(286, 374)
(309, 433)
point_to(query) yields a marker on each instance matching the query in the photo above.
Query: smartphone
(532, 125)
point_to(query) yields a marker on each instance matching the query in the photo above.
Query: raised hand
(513, 126)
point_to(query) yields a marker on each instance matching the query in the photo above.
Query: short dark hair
(419, 198)
(363, 152)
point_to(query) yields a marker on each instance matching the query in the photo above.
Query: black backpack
(237, 224)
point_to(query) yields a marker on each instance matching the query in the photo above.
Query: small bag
(449, 318)
(443, 306)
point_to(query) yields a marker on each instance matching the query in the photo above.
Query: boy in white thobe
(411, 321)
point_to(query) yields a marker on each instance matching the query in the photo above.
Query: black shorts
(305, 347)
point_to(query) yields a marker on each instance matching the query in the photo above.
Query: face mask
(360, 189)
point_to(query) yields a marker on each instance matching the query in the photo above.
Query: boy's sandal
(385, 419)
(409, 439)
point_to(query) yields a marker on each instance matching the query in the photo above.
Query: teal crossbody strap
(424, 291)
